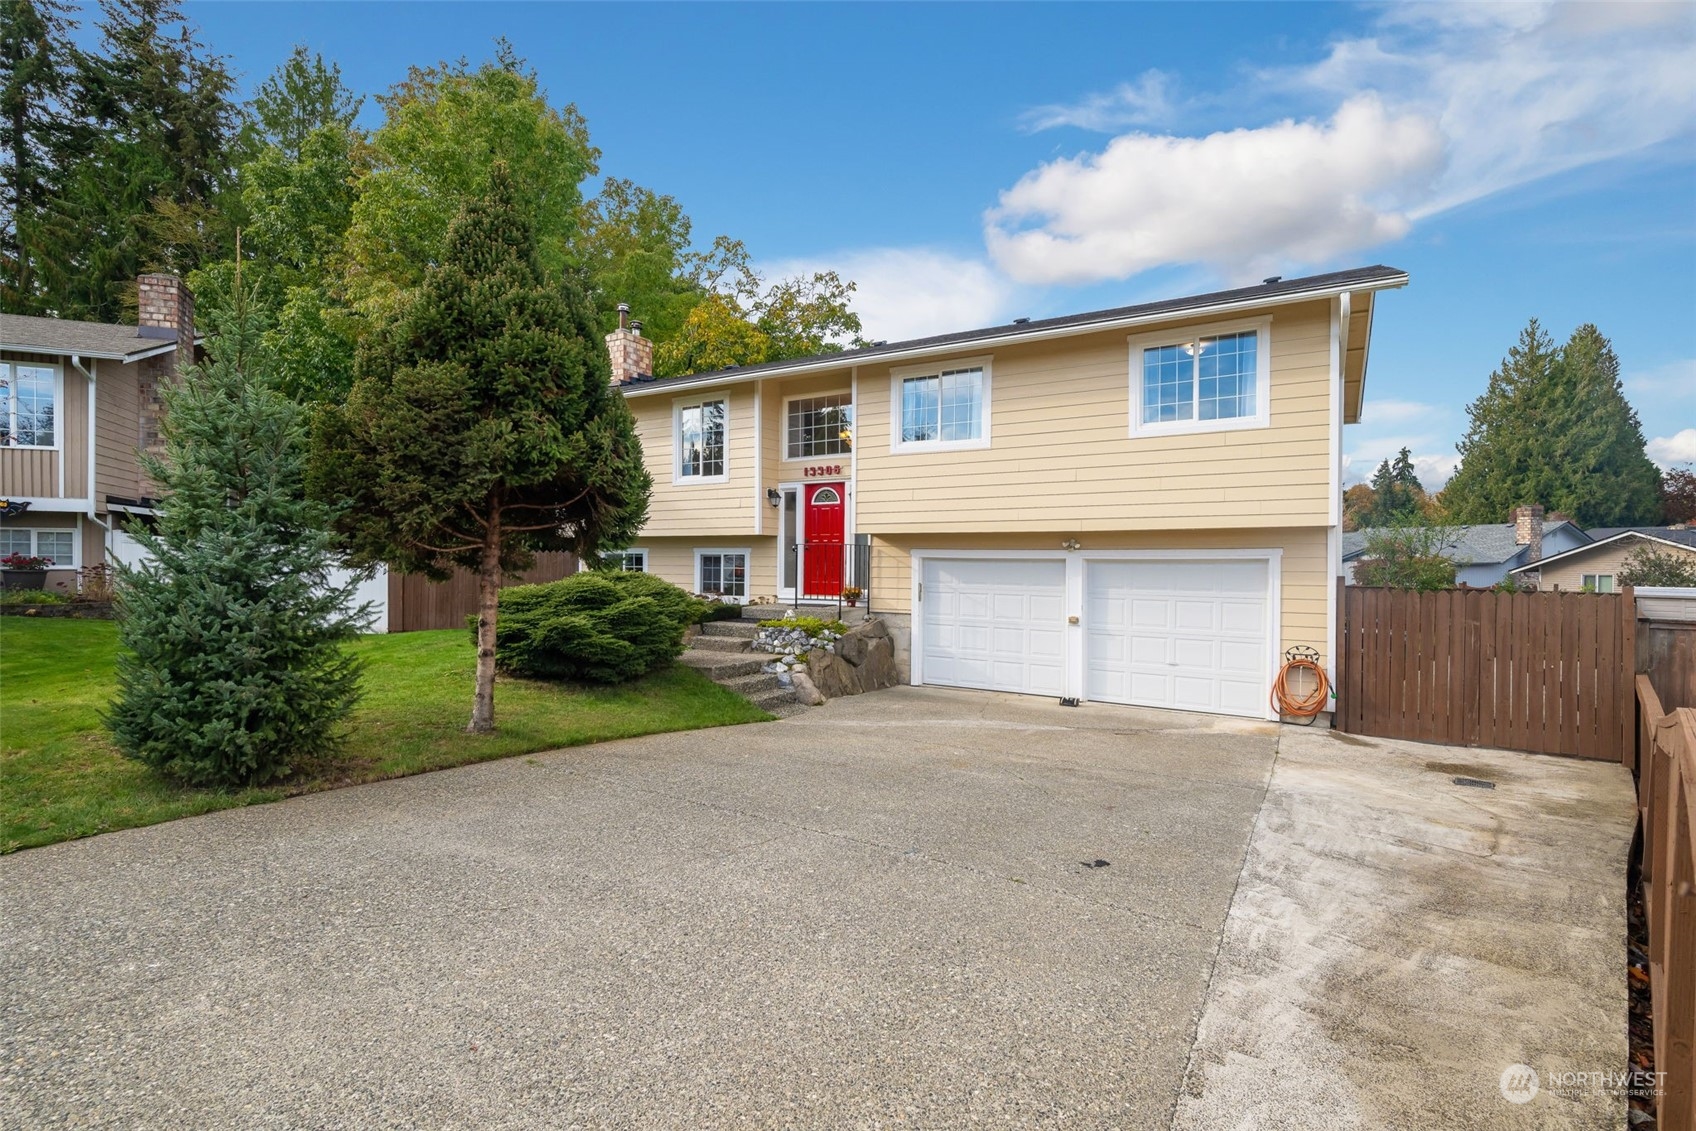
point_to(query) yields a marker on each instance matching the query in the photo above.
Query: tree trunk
(488, 606)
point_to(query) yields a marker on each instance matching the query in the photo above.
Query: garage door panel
(995, 624)
(1195, 638)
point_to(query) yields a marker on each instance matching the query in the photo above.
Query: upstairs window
(700, 441)
(818, 426)
(1197, 382)
(947, 408)
(29, 406)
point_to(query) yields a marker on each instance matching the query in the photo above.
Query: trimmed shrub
(596, 627)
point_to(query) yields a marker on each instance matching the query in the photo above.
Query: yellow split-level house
(1140, 505)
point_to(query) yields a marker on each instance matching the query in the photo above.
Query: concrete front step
(727, 644)
(731, 629)
(781, 702)
(722, 666)
(758, 613)
(749, 686)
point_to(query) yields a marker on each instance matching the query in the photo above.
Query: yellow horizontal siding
(698, 508)
(674, 560)
(1061, 455)
(1305, 574)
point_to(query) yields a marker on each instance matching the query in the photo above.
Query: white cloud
(1140, 103)
(1680, 447)
(1676, 380)
(1442, 105)
(1243, 201)
(914, 292)
(1433, 470)
(1391, 411)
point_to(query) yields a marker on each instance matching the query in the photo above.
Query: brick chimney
(165, 310)
(632, 354)
(1528, 531)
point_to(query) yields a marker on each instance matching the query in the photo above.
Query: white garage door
(998, 625)
(1184, 634)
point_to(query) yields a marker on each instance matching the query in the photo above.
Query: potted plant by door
(851, 594)
(21, 571)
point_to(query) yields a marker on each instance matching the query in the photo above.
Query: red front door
(822, 575)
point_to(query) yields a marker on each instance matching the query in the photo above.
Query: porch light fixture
(774, 497)
(1071, 544)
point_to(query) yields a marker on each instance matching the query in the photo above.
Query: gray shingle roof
(1670, 534)
(90, 339)
(1377, 275)
(1491, 544)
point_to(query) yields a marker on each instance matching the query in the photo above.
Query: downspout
(93, 437)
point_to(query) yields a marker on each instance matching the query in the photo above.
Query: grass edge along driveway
(61, 777)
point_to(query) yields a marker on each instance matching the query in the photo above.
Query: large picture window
(943, 408)
(1200, 381)
(819, 426)
(700, 440)
(721, 573)
(59, 546)
(29, 408)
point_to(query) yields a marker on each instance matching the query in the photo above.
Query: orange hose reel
(1307, 704)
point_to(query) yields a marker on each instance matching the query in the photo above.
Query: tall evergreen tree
(149, 190)
(1554, 428)
(232, 667)
(303, 95)
(483, 428)
(38, 133)
(1398, 498)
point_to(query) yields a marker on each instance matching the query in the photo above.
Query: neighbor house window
(700, 440)
(29, 409)
(59, 546)
(1201, 380)
(943, 408)
(1598, 582)
(819, 426)
(721, 573)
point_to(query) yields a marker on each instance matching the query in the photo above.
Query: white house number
(824, 469)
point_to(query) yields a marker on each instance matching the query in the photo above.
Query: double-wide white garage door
(1191, 634)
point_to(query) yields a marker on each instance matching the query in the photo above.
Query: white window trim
(637, 551)
(677, 406)
(35, 533)
(1077, 564)
(1262, 417)
(913, 447)
(783, 425)
(747, 570)
(58, 444)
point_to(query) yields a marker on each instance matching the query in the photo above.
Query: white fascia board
(993, 341)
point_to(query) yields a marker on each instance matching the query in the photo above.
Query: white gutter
(88, 484)
(818, 364)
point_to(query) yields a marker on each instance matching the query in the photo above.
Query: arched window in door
(826, 497)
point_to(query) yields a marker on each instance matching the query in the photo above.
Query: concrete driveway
(874, 914)
(883, 912)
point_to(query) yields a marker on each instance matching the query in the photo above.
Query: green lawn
(60, 776)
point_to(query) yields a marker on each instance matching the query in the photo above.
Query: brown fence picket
(1544, 672)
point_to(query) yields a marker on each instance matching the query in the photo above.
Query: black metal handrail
(856, 560)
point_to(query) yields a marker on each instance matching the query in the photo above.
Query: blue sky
(971, 163)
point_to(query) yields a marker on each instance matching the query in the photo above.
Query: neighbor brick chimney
(1528, 531)
(632, 354)
(165, 310)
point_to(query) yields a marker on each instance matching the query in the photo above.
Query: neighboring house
(1139, 505)
(1484, 555)
(1596, 565)
(78, 400)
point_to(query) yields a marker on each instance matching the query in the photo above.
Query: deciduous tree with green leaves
(1650, 564)
(483, 426)
(444, 128)
(1554, 428)
(232, 667)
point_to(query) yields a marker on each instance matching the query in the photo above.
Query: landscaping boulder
(805, 690)
(863, 660)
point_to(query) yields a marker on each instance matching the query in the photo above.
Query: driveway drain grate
(1475, 783)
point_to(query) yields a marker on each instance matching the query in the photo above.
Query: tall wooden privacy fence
(416, 603)
(1550, 673)
(1666, 805)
